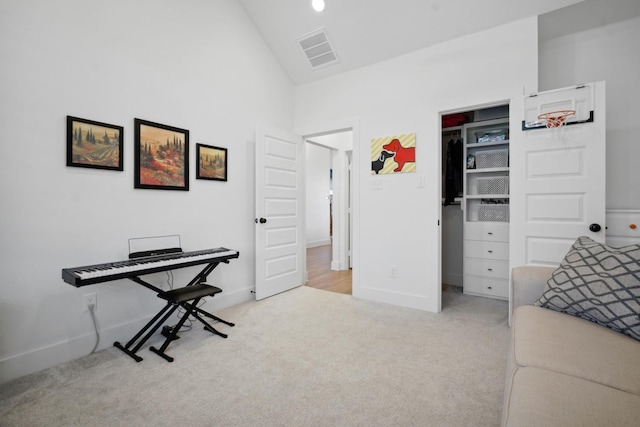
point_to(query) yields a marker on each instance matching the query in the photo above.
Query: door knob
(261, 220)
(595, 227)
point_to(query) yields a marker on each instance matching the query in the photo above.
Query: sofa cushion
(539, 398)
(547, 339)
(527, 284)
(598, 283)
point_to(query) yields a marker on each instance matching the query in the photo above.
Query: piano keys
(98, 273)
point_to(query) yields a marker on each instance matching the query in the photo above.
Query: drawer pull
(490, 233)
(489, 287)
(489, 269)
(490, 252)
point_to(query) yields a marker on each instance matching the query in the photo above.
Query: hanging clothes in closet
(453, 173)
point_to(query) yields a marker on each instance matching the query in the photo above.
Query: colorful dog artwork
(378, 164)
(394, 154)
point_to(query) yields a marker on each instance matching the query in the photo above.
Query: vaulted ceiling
(364, 32)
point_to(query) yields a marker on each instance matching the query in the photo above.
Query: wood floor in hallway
(320, 274)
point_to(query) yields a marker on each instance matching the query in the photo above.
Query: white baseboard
(418, 302)
(54, 354)
(229, 299)
(317, 243)
(45, 357)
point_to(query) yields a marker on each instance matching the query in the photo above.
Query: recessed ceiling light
(318, 5)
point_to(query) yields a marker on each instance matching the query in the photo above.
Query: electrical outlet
(89, 299)
(394, 271)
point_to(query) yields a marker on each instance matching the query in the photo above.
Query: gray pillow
(598, 283)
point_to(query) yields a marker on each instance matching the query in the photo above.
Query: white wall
(318, 186)
(397, 223)
(198, 65)
(608, 53)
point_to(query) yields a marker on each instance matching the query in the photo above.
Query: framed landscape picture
(92, 144)
(212, 162)
(161, 156)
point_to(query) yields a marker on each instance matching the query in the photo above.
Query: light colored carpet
(302, 358)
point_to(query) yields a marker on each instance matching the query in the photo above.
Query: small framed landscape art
(161, 156)
(92, 144)
(212, 162)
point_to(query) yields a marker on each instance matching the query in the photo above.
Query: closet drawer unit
(482, 286)
(486, 268)
(486, 250)
(486, 231)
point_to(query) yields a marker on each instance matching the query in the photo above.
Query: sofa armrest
(527, 284)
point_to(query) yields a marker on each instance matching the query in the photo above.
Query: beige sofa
(563, 370)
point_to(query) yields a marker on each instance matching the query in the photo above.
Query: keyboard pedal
(166, 331)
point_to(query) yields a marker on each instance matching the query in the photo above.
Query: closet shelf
(487, 196)
(488, 170)
(456, 201)
(487, 144)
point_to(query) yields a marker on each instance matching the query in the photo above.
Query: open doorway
(328, 211)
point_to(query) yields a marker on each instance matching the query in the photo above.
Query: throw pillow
(598, 283)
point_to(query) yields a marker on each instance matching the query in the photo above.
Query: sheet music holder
(152, 246)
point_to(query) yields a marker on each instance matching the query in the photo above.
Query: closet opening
(475, 201)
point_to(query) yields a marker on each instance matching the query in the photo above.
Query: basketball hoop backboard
(577, 99)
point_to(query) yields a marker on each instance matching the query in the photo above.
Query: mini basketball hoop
(556, 119)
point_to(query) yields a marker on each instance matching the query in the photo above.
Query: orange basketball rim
(555, 119)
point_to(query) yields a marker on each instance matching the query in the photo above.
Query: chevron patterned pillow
(598, 283)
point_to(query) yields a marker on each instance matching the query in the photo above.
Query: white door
(280, 255)
(557, 177)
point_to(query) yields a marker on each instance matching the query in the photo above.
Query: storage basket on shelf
(493, 213)
(493, 185)
(493, 135)
(492, 159)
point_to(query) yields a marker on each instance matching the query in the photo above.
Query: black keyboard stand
(188, 298)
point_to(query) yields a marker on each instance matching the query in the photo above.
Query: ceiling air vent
(317, 48)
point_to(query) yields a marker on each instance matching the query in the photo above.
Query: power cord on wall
(92, 308)
(170, 279)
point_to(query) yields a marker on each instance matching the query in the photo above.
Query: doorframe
(328, 129)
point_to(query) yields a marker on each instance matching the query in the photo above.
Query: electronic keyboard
(91, 274)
